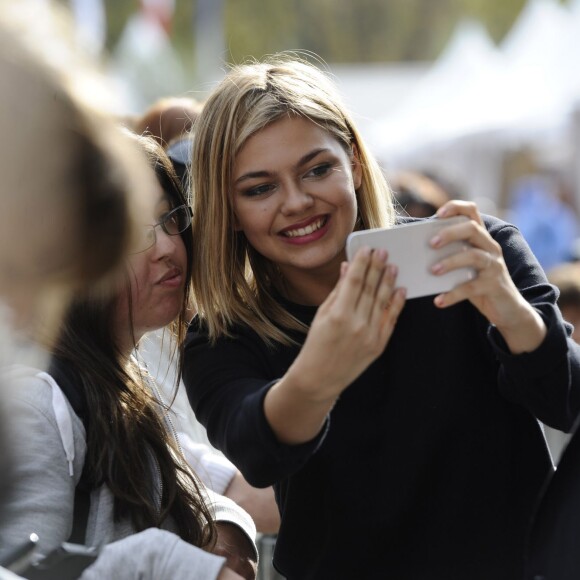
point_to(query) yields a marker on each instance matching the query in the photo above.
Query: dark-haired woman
(95, 422)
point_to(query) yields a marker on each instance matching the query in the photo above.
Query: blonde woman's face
(293, 190)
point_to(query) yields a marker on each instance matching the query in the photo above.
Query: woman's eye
(319, 170)
(258, 190)
(162, 213)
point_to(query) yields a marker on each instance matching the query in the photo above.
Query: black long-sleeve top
(430, 462)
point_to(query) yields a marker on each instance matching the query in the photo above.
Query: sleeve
(226, 384)
(43, 489)
(154, 554)
(213, 469)
(227, 510)
(547, 380)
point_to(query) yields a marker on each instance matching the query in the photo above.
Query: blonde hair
(232, 283)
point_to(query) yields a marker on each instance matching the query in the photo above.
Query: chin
(166, 318)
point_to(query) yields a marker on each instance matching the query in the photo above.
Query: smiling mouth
(305, 231)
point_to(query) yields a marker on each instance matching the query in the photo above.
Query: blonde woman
(399, 434)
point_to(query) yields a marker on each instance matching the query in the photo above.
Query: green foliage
(358, 30)
(118, 13)
(336, 30)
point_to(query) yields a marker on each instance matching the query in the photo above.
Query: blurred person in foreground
(123, 451)
(313, 373)
(67, 186)
(68, 203)
(74, 217)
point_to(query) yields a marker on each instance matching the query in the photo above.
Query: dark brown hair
(126, 430)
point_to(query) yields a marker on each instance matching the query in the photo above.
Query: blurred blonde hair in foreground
(69, 176)
(69, 191)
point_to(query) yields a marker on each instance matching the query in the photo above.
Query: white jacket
(49, 448)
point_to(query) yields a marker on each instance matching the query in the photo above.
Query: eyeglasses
(172, 223)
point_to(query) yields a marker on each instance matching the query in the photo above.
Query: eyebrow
(302, 161)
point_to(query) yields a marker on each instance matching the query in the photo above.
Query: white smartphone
(409, 249)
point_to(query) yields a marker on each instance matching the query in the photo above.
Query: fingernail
(442, 212)
(435, 241)
(382, 254)
(393, 270)
(439, 301)
(437, 268)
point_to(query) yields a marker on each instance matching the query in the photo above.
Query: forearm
(546, 380)
(154, 554)
(525, 332)
(295, 414)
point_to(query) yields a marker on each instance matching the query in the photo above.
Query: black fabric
(432, 459)
(553, 548)
(68, 380)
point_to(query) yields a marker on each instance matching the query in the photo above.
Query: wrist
(310, 385)
(525, 330)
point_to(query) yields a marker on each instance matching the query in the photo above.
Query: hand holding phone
(409, 249)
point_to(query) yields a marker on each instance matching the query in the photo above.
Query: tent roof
(527, 86)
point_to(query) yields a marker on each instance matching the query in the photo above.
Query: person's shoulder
(26, 384)
(495, 224)
(32, 391)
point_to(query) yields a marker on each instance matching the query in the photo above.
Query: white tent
(542, 51)
(462, 119)
(426, 114)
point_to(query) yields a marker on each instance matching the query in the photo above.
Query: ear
(356, 167)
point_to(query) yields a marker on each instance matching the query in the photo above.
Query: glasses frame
(162, 224)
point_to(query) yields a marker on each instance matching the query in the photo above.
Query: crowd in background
(106, 257)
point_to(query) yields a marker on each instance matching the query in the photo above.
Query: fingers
(378, 276)
(475, 258)
(491, 277)
(391, 314)
(459, 207)
(368, 285)
(358, 286)
(469, 231)
(485, 256)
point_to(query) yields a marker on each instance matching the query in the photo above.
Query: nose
(165, 245)
(296, 198)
